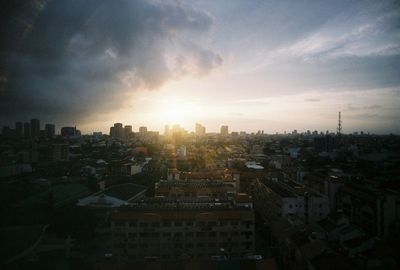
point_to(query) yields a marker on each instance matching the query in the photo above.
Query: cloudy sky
(254, 65)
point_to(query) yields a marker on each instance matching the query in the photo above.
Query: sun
(176, 111)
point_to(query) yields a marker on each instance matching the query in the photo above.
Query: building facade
(191, 228)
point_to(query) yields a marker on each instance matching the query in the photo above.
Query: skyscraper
(35, 127)
(27, 130)
(128, 131)
(50, 130)
(119, 130)
(19, 130)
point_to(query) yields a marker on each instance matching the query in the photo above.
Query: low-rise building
(193, 228)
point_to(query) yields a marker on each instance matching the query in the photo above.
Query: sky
(253, 65)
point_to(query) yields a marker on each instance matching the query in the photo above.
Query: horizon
(270, 66)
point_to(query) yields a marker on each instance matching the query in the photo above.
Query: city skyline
(256, 65)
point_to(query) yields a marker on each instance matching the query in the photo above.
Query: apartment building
(276, 199)
(188, 228)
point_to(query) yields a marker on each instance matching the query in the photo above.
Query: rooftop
(123, 192)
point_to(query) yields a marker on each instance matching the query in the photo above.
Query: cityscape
(146, 134)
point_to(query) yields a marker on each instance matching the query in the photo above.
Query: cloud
(351, 107)
(74, 59)
(312, 99)
(365, 34)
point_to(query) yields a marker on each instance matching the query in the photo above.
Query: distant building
(224, 130)
(200, 129)
(19, 130)
(127, 131)
(35, 127)
(119, 131)
(181, 151)
(142, 131)
(167, 131)
(27, 130)
(50, 130)
(68, 131)
(196, 228)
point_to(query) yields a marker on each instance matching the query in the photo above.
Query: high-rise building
(68, 131)
(50, 130)
(27, 130)
(200, 129)
(128, 131)
(142, 130)
(224, 130)
(112, 132)
(119, 130)
(19, 132)
(35, 127)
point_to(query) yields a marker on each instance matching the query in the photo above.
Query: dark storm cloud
(72, 59)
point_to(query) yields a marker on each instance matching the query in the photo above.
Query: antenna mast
(339, 128)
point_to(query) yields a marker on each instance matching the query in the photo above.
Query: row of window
(245, 245)
(157, 224)
(135, 255)
(133, 235)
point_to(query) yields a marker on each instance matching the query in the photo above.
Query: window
(212, 223)
(156, 224)
(143, 224)
(189, 223)
(166, 224)
(178, 223)
(132, 224)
